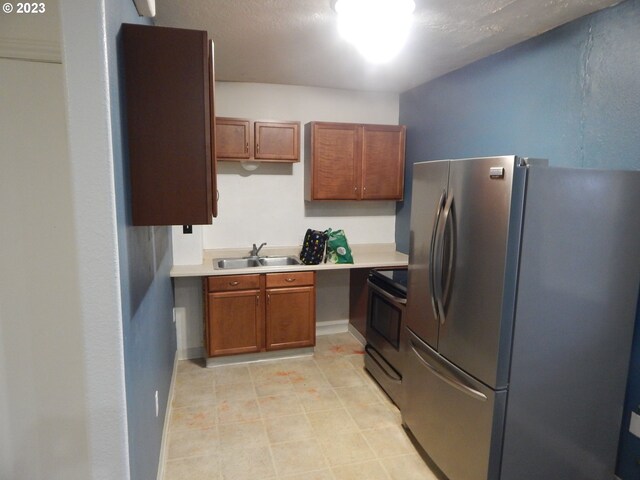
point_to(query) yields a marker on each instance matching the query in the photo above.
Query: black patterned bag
(313, 247)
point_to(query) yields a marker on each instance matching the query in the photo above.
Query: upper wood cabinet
(267, 141)
(383, 162)
(277, 141)
(333, 161)
(233, 136)
(169, 107)
(346, 161)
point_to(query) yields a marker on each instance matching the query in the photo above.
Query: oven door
(384, 325)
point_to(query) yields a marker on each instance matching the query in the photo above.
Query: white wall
(31, 36)
(62, 408)
(88, 103)
(268, 205)
(43, 427)
(62, 405)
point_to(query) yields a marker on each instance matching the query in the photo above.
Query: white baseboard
(322, 328)
(357, 334)
(259, 357)
(167, 415)
(191, 352)
(332, 326)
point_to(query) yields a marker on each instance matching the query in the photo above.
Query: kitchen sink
(237, 263)
(281, 261)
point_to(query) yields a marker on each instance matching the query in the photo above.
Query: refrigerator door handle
(450, 228)
(448, 378)
(432, 254)
(438, 253)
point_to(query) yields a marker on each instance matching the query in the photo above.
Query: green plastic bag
(338, 250)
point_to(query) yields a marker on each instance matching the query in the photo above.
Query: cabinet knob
(289, 280)
(258, 147)
(355, 189)
(234, 284)
(246, 147)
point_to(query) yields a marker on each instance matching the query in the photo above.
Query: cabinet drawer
(225, 283)
(290, 279)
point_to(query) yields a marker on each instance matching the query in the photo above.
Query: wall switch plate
(634, 424)
(187, 229)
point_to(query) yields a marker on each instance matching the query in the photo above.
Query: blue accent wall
(147, 294)
(571, 95)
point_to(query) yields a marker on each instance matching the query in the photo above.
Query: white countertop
(364, 256)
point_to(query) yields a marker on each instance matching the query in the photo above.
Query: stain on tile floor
(317, 417)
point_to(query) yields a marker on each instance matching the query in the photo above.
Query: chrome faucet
(256, 250)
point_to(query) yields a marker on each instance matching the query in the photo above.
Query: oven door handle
(375, 356)
(384, 293)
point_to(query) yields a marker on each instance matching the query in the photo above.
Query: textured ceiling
(296, 41)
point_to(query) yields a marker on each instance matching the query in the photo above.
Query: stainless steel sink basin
(237, 263)
(279, 261)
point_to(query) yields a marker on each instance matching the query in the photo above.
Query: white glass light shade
(377, 28)
(248, 165)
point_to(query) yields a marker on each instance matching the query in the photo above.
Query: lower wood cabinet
(254, 313)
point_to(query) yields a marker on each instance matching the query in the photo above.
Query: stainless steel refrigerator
(522, 293)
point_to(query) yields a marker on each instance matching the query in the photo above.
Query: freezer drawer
(456, 419)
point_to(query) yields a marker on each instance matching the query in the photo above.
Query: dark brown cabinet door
(233, 137)
(167, 86)
(277, 141)
(290, 318)
(335, 156)
(212, 116)
(383, 162)
(235, 322)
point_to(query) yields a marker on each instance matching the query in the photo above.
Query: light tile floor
(312, 418)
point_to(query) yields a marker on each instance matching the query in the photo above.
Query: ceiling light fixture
(377, 28)
(248, 165)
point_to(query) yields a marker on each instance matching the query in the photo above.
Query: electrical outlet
(187, 229)
(157, 405)
(634, 424)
